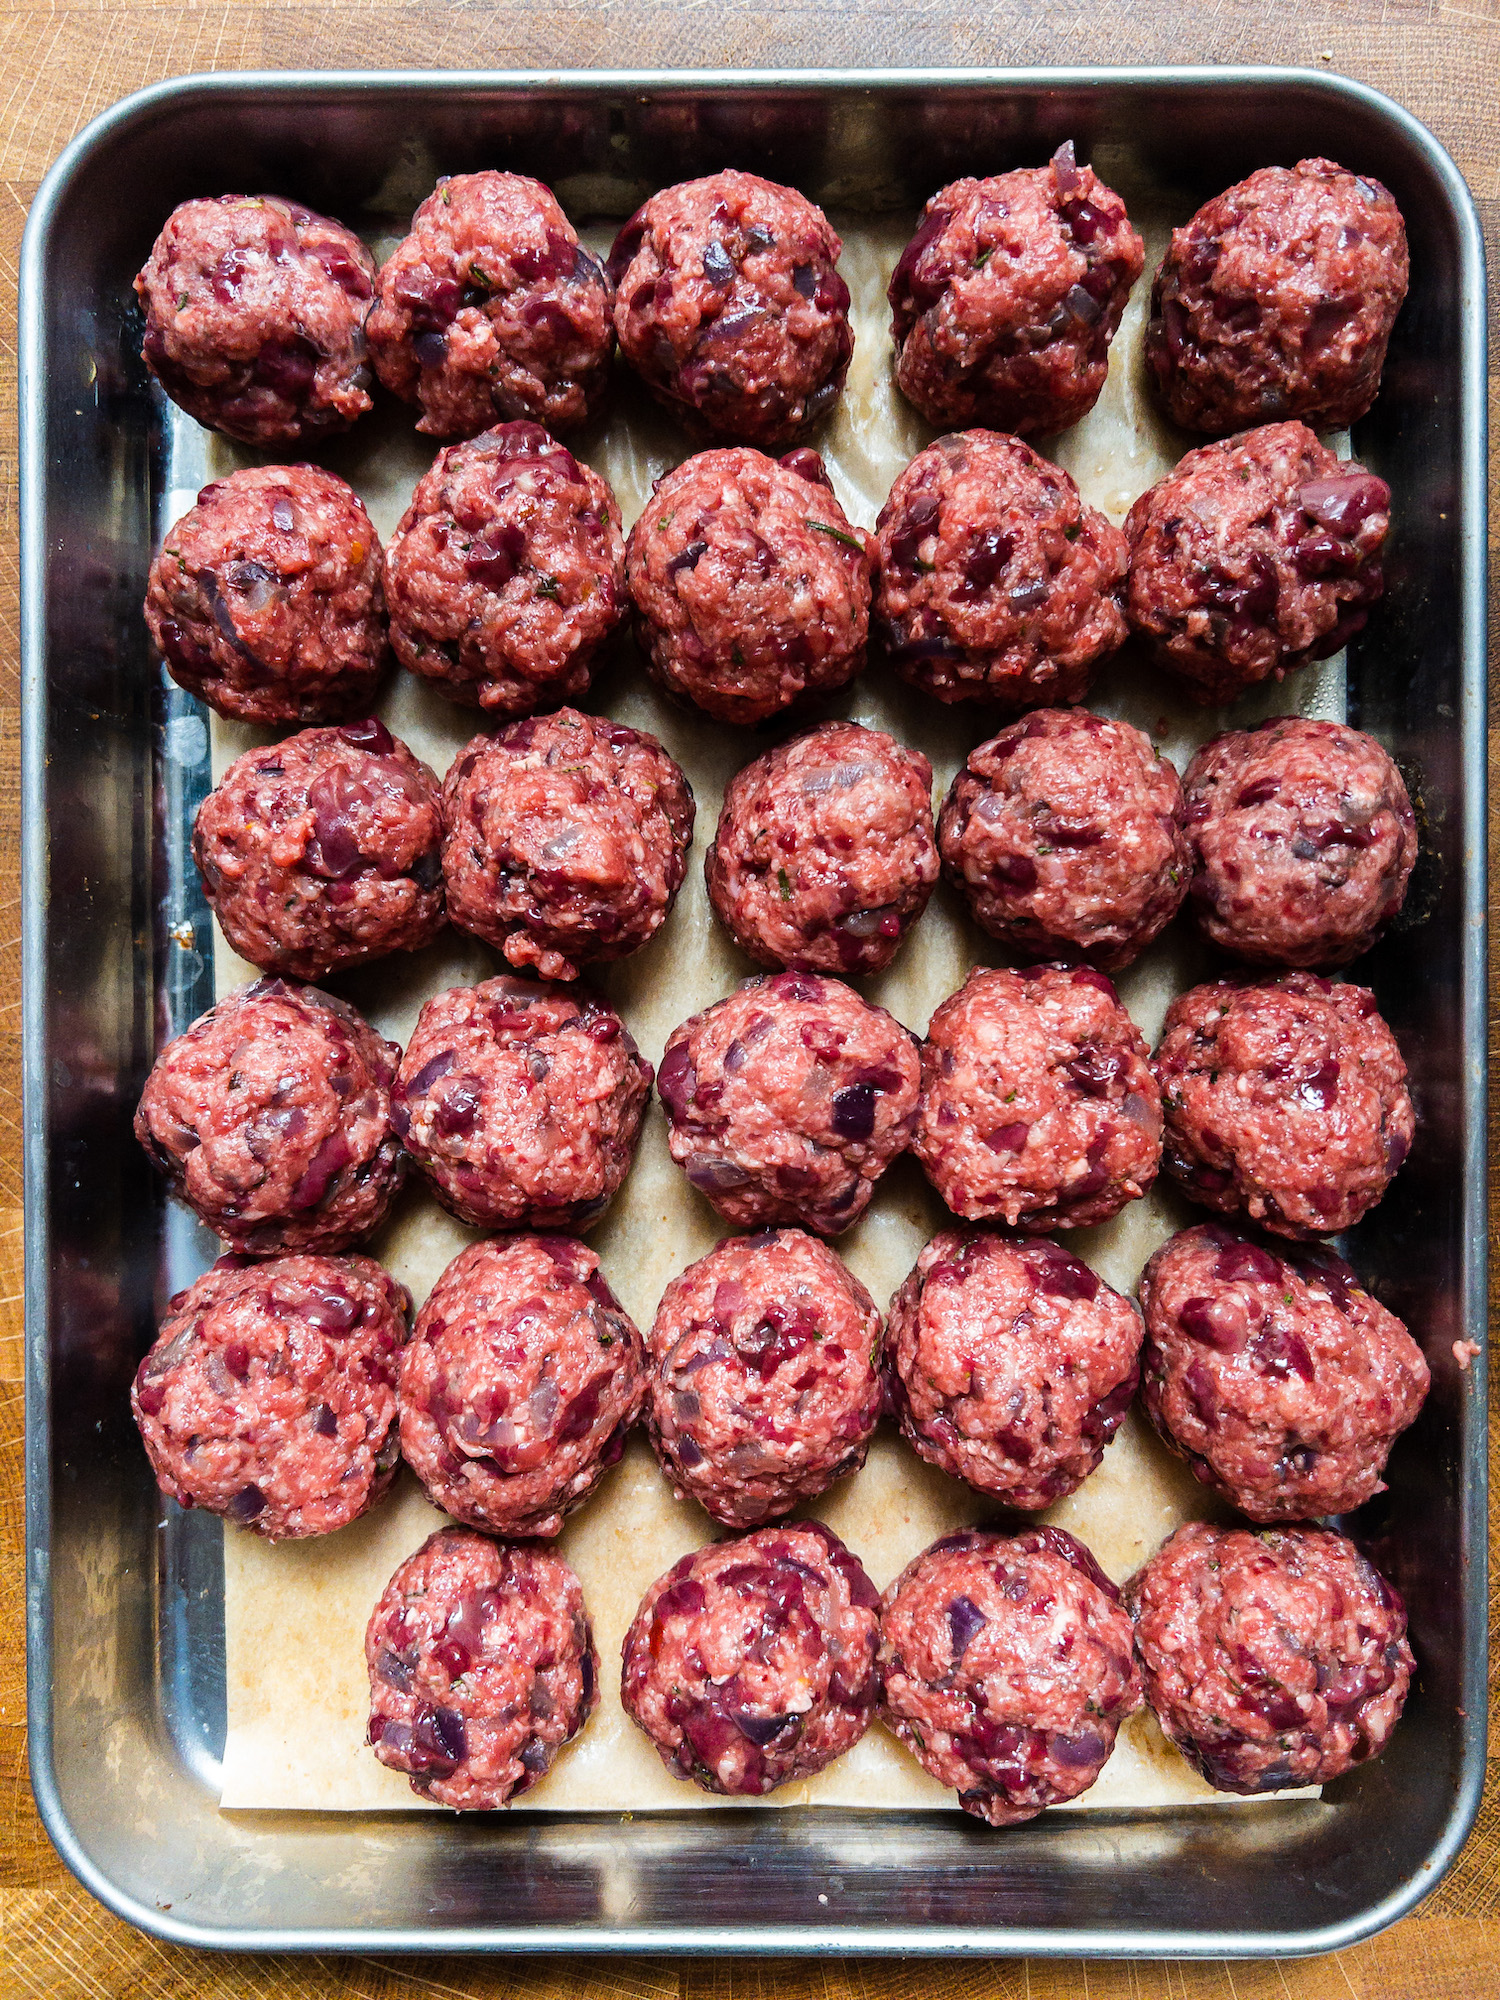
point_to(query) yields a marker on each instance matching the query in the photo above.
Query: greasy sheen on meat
(270, 1116)
(482, 1666)
(1007, 1668)
(1038, 1107)
(1274, 1373)
(998, 582)
(565, 841)
(1271, 1660)
(824, 855)
(521, 1381)
(765, 1375)
(1064, 834)
(1005, 301)
(752, 1662)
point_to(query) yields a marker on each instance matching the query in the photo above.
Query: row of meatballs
(562, 841)
(988, 578)
(1005, 1663)
(1276, 300)
(1272, 1660)
(278, 1394)
(287, 1123)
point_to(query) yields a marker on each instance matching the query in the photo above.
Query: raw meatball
(566, 840)
(1064, 835)
(765, 1382)
(323, 851)
(730, 310)
(788, 1100)
(1285, 1099)
(1277, 300)
(824, 857)
(255, 311)
(1011, 1365)
(491, 309)
(1303, 841)
(1005, 301)
(265, 599)
(522, 1378)
(271, 1118)
(506, 573)
(750, 585)
(1272, 1660)
(1008, 1668)
(270, 1395)
(1256, 555)
(1038, 1107)
(998, 582)
(482, 1666)
(521, 1102)
(752, 1663)
(1279, 1379)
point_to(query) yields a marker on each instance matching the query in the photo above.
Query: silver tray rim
(1472, 548)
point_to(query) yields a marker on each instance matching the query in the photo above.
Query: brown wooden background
(59, 66)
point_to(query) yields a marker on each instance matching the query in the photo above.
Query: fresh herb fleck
(836, 534)
(786, 887)
(547, 587)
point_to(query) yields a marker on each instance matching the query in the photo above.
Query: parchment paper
(295, 1614)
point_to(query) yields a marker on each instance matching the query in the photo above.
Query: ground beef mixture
(1010, 1364)
(1303, 842)
(1286, 1100)
(270, 1394)
(1005, 301)
(1277, 300)
(998, 582)
(751, 587)
(482, 1666)
(1272, 1660)
(271, 1118)
(824, 856)
(521, 1381)
(265, 599)
(491, 310)
(751, 1663)
(521, 1102)
(323, 851)
(506, 576)
(765, 1376)
(1007, 1667)
(255, 313)
(1064, 834)
(1278, 1378)
(1256, 555)
(1038, 1106)
(730, 310)
(566, 840)
(788, 1100)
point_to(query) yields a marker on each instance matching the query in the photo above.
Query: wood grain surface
(59, 66)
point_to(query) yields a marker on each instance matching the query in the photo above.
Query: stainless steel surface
(124, 1614)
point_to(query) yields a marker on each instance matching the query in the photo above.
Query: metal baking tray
(124, 1616)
